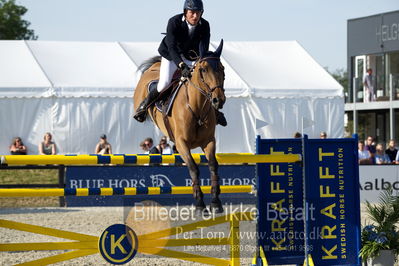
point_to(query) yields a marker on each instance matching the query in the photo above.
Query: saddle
(165, 99)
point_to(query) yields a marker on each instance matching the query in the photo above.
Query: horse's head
(209, 74)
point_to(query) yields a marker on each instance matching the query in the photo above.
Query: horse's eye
(203, 70)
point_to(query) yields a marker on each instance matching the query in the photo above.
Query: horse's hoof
(216, 207)
(201, 212)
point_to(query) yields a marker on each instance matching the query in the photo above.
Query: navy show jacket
(178, 41)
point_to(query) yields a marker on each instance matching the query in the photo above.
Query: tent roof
(108, 69)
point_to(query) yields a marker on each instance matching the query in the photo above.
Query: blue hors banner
(332, 197)
(317, 216)
(280, 204)
(154, 176)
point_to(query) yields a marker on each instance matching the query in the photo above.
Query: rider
(179, 49)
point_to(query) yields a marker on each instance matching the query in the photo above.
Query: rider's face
(193, 17)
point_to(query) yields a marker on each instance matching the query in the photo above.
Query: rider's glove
(185, 70)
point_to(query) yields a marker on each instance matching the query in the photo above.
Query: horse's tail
(148, 63)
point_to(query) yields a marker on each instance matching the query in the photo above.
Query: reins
(201, 118)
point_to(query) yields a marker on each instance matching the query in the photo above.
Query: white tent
(80, 90)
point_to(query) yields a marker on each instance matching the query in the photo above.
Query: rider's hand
(185, 70)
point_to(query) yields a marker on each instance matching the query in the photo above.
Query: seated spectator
(391, 150)
(297, 135)
(163, 146)
(370, 146)
(380, 156)
(47, 147)
(144, 147)
(103, 147)
(364, 156)
(17, 147)
(323, 135)
(149, 143)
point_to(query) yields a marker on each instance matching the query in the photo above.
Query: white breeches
(168, 68)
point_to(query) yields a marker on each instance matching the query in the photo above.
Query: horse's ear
(202, 49)
(218, 51)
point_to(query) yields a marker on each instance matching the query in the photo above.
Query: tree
(341, 75)
(12, 26)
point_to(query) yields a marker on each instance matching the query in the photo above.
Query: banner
(332, 201)
(154, 176)
(280, 204)
(374, 178)
(326, 223)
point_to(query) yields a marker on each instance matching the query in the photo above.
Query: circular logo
(118, 244)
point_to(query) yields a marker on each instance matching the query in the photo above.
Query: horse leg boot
(200, 207)
(141, 111)
(216, 204)
(220, 118)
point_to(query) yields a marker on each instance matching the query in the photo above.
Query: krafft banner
(154, 176)
(280, 204)
(327, 223)
(332, 198)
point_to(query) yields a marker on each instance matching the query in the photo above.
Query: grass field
(39, 176)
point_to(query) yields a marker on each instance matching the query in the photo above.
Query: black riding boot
(220, 118)
(141, 111)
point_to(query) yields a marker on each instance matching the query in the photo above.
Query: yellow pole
(223, 158)
(234, 241)
(83, 192)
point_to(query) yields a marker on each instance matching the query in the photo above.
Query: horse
(192, 120)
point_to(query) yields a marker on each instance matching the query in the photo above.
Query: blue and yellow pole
(137, 159)
(127, 191)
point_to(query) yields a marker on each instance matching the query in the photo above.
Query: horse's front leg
(194, 173)
(210, 153)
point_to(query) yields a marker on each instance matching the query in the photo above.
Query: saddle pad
(164, 104)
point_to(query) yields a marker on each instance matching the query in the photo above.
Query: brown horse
(192, 119)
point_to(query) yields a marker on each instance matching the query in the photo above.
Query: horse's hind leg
(210, 150)
(194, 173)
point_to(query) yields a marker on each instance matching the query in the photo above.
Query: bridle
(207, 93)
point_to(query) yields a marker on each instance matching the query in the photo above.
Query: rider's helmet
(195, 5)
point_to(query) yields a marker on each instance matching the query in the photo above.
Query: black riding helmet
(195, 5)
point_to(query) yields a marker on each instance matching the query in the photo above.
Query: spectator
(297, 135)
(368, 83)
(144, 147)
(149, 143)
(164, 147)
(370, 146)
(364, 156)
(323, 135)
(17, 147)
(392, 151)
(47, 147)
(380, 156)
(103, 147)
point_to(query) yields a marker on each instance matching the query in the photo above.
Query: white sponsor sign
(374, 178)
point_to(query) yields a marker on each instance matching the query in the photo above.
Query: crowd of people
(48, 146)
(375, 153)
(163, 147)
(369, 152)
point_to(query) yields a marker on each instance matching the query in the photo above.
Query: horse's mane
(155, 59)
(148, 63)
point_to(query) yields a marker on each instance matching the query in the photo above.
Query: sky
(320, 26)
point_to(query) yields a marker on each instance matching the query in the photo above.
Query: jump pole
(139, 159)
(127, 191)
